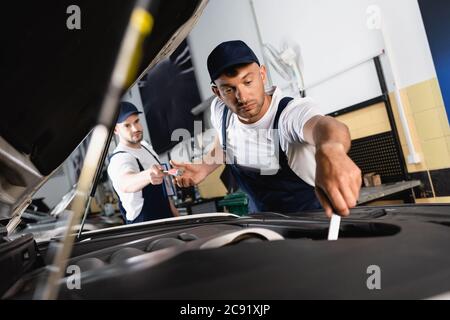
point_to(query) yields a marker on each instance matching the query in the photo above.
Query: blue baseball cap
(126, 110)
(228, 54)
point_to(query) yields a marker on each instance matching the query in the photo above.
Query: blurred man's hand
(156, 174)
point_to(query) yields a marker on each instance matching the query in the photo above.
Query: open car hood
(54, 80)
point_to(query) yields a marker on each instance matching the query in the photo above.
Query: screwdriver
(333, 231)
(335, 221)
(174, 172)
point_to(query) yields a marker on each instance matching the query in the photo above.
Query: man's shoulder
(146, 144)
(122, 149)
(302, 102)
(217, 108)
(301, 106)
(217, 105)
(120, 155)
(147, 150)
(120, 160)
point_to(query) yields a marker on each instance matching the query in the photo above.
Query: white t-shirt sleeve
(294, 118)
(119, 164)
(131, 201)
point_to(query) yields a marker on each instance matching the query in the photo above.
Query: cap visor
(231, 64)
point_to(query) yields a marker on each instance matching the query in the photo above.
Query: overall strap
(163, 186)
(154, 156)
(224, 129)
(109, 158)
(281, 106)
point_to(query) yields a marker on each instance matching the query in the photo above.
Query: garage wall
(367, 122)
(222, 20)
(431, 136)
(430, 132)
(332, 35)
(436, 17)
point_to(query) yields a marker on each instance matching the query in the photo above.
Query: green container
(236, 203)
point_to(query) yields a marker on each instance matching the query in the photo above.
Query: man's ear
(263, 72)
(116, 129)
(216, 91)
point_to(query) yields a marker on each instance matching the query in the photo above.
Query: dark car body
(59, 78)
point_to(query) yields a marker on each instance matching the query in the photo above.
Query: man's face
(243, 92)
(130, 131)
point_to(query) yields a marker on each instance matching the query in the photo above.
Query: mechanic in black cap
(136, 172)
(303, 166)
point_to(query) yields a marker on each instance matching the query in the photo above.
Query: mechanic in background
(136, 172)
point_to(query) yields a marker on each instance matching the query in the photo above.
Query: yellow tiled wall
(366, 122)
(427, 121)
(430, 121)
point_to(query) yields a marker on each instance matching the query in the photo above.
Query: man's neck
(131, 145)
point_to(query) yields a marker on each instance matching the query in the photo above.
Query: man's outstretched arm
(136, 181)
(338, 179)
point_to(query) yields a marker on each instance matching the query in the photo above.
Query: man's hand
(193, 174)
(338, 179)
(156, 174)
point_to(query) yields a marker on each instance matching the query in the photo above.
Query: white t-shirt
(126, 162)
(253, 145)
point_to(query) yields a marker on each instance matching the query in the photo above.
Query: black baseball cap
(228, 54)
(126, 110)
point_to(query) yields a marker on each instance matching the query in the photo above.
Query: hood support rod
(125, 69)
(97, 177)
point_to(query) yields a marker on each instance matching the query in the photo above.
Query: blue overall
(156, 204)
(283, 192)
